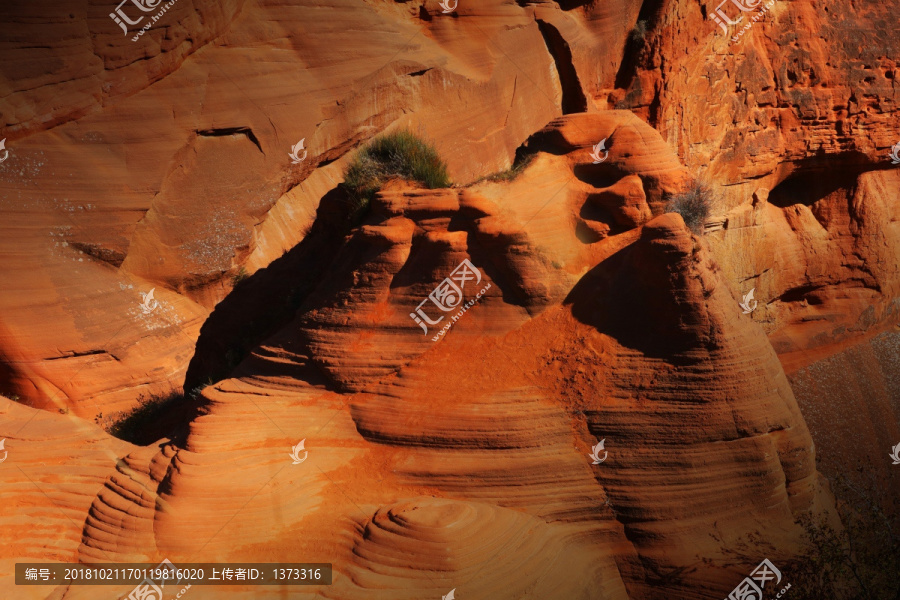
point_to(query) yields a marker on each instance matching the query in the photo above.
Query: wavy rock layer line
(455, 540)
(54, 465)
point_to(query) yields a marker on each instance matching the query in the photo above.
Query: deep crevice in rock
(573, 98)
(101, 253)
(266, 301)
(226, 131)
(572, 4)
(634, 44)
(74, 354)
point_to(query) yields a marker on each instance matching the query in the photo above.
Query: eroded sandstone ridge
(451, 457)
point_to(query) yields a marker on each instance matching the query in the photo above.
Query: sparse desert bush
(239, 276)
(140, 424)
(519, 165)
(640, 31)
(693, 205)
(398, 155)
(860, 561)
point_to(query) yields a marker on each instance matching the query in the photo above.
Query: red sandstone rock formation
(463, 462)
(642, 351)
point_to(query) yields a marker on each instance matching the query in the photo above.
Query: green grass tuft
(148, 421)
(239, 276)
(519, 165)
(397, 155)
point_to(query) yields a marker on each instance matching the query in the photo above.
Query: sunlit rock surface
(449, 458)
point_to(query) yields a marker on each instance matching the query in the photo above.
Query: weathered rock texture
(822, 256)
(167, 165)
(632, 337)
(449, 458)
(53, 467)
(809, 83)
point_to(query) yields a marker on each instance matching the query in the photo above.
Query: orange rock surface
(458, 457)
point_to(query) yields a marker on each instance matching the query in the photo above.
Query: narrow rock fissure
(648, 17)
(573, 98)
(74, 354)
(226, 131)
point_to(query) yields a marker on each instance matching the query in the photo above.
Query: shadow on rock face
(651, 295)
(819, 177)
(267, 300)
